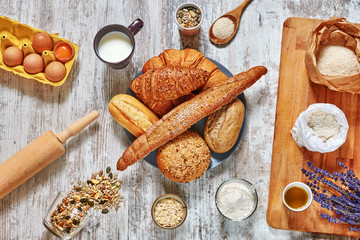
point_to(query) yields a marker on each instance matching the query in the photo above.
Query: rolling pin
(37, 155)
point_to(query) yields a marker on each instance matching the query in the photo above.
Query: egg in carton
(20, 35)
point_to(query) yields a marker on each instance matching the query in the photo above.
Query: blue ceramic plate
(216, 158)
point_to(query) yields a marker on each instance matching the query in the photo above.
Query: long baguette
(186, 114)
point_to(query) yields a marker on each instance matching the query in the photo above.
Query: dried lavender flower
(338, 192)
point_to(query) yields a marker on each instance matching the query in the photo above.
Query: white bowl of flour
(236, 199)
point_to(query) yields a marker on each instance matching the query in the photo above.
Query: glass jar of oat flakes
(169, 211)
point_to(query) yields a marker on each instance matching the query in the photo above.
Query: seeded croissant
(168, 82)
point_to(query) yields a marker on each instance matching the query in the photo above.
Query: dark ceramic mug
(129, 31)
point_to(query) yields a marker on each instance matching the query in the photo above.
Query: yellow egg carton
(13, 33)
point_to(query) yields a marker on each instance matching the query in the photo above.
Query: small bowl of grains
(188, 17)
(169, 211)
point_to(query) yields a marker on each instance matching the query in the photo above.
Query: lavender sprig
(338, 192)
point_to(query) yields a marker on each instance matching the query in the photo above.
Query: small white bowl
(303, 186)
(193, 30)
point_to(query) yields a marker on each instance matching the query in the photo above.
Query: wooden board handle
(77, 126)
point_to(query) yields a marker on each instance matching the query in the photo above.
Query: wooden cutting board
(295, 93)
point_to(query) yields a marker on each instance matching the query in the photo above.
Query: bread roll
(131, 114)
(223, 126)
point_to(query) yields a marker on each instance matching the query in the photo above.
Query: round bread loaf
(223, 126)
(185, 158)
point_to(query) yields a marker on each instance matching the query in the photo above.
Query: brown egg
(13, 56)
(55, 71)
(42, 42)
(33, 63)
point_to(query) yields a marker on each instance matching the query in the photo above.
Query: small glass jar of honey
(297, 196)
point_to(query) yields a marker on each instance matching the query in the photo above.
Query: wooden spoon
(234, 16)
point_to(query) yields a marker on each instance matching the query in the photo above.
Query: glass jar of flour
(236, 199)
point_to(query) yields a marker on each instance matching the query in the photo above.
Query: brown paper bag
(335, 31)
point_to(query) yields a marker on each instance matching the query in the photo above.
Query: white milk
(115, 47)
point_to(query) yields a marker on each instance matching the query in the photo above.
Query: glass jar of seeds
(188, 17)
(74, 210)
(63, 228)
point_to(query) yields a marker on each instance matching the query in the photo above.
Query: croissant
(185, 58)
(186, 114)
(169, 82)
(161, 107)
(174, 57)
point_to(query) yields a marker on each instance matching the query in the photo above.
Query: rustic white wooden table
(28, 108)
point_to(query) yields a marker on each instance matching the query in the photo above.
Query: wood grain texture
(288, 159)
(28, 109)
(28, 161)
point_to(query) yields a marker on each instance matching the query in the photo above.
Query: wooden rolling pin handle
(38, 154)
(28, 161)
(76, 127)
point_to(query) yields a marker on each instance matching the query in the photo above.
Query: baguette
(186, 114)
(216, 77)
(131, 114)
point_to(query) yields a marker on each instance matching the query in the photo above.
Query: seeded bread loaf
(223, 126)
(185, 158)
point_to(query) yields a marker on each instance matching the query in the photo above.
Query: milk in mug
(115, 47)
